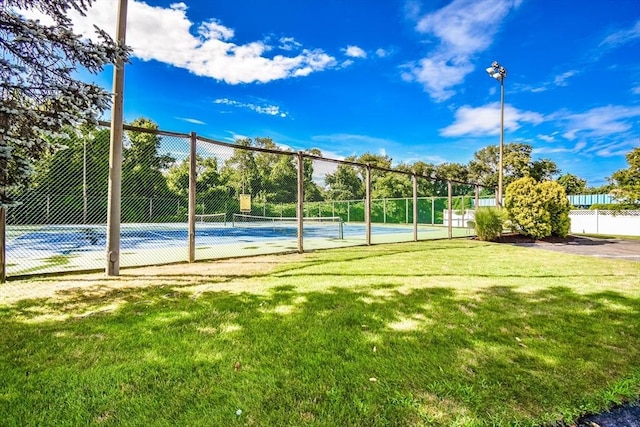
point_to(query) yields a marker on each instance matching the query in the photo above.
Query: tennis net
(312, 226)
(219, 218)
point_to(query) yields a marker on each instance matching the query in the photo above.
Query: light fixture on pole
(499, 73)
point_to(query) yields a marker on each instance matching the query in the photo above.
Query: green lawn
(432, 333)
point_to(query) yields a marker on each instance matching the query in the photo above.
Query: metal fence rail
(180, 191)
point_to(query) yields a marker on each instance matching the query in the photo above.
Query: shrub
(488, 223)
(537, 209)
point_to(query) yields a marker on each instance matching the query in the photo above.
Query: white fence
(458, 218)
(624, 223)
(618, 223)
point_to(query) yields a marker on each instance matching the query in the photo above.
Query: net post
(414, 181)
(300, 201)
(192, 198)
(367, 208)
(450, 210)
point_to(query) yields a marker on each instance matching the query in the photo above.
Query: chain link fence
(235, 200)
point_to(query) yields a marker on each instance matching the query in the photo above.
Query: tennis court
(61, 248)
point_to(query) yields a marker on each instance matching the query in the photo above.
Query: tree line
(79, 170)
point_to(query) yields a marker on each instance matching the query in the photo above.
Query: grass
(433, 333)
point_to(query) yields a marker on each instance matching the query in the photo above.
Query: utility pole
(115, 152)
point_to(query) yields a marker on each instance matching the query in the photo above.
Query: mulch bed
(519, 238)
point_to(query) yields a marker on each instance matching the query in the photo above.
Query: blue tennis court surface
(69, 239)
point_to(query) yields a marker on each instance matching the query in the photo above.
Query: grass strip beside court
(431, 333)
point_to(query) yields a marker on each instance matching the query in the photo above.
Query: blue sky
(405, 78)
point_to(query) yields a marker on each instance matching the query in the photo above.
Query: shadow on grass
(338, 357)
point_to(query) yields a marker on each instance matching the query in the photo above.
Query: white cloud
(206, 49)
(561, 80)
(382, 53)
(552, 150)
(289, 43)
(600, 121)
(602, 131)
(635, 90)
(611, 149)
(461, 29)
(546, 138)
(189, 120)
(485, 120)
(214, 30)
(621, 37)
(354, 52)
(271, 110)
(346, 63)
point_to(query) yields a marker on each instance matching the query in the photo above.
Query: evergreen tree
(38, 92)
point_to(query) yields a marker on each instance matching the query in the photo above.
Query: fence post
(477, 201)
(450, 210)
(300, 202)
(464, 208)
(367, 207)
(192, 198)
(384, 211)
(414, 180)
(406, 211)
(150, 209)
(433, 210)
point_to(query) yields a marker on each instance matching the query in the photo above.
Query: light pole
(84, 180)
(115, 152)
(499, 73)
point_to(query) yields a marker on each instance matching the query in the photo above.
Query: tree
(265, 163)
(456, 172)
(626, 182)
(538, 209)
(211, 191)
(38, 92)
(517, 163)
(344, 184)
(425, 187)
(543, 170)
(142, 165)
(207, 177)
(312, 192)
(392, 185)
(240, 171)
(572, 184)
(284, 180)
(74, 180)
